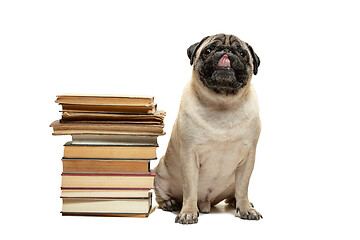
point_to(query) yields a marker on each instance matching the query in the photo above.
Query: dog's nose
(224, 61)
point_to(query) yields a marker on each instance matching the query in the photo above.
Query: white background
(306, 177)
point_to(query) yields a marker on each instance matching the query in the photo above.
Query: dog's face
(223, 63)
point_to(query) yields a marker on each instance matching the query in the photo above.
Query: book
(97, 108)
(157, 116)
(105, 193)
(106, 166)
(113, 140)
(81, 165)
(117, 122)
(104, 99)
(107, 205)
(107, 181)
(74, 128)
(138, 215)
(110, 151)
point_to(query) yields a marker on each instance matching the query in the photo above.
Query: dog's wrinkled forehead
(221, 39)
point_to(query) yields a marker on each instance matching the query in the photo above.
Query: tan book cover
(107, 205)
(110, 151)
(105, 193)
(106, 128)
(105, 166)
(143, 215)
(109, 108)
(107, 181)
(104, 99)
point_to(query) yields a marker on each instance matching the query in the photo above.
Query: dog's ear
(191, 51)
(256, 59)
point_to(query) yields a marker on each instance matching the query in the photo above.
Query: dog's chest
(221, 127)
(217, 165)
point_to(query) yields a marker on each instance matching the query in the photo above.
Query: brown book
(89, 139)
(104, 99)
(107, 205)
(110, 151)
(160, 123)
(105, 166)
(109, 108)
(74, 128)
(107, 181)
(158, 117)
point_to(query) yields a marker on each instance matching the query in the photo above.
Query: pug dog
(211, 152)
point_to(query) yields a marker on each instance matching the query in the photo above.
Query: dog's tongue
(224, 62)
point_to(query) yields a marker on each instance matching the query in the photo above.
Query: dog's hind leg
(204, 206)
(165, 202)
(231, 201)
(162, 194)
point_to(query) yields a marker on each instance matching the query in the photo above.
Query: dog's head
(223, 63)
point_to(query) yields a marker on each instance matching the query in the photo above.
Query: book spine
(110, 174)
(79, 188)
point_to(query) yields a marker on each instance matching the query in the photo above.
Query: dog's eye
(208, 51)
(242, 53)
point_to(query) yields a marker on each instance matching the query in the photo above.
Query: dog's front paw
(250, 214)
(187, 217)
(246, 211)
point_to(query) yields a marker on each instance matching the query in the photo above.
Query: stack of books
(106, 166)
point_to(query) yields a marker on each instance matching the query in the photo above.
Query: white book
(89, 193)
(103, 205)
